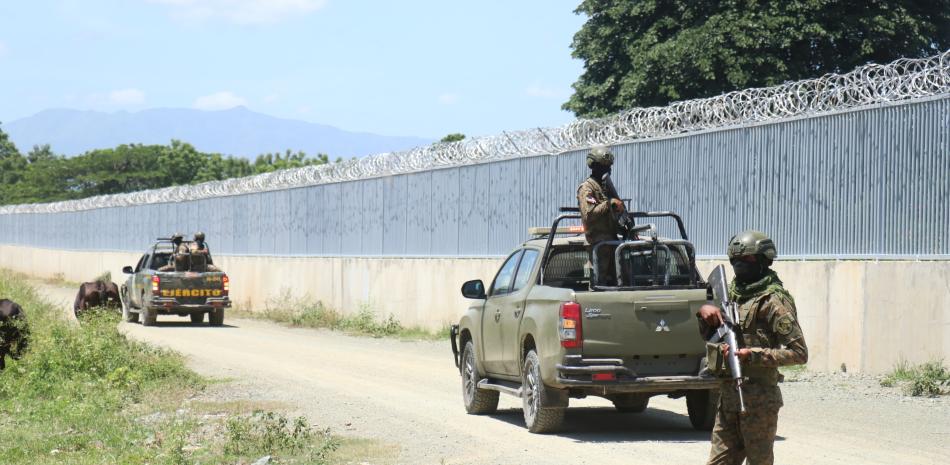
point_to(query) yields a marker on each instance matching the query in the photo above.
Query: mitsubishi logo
(662, 327)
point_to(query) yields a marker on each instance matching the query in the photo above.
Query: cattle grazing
(14, 333)
(97, 294)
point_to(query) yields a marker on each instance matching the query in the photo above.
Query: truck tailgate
(190, 288)
(641, 325)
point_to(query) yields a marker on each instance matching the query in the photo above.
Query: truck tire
(702, 407)
(127, 313)
(535, 396)
(216, 317)
(149, 316)
(630, 403)
(477, 401)
(197, 318)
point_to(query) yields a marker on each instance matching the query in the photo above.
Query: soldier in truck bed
(598, 213)
(179, 260)
(201, 255)
(772, 337)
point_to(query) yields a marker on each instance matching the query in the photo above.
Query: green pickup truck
(542, 332)
(148, 292)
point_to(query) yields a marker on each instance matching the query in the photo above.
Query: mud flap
(453, 338)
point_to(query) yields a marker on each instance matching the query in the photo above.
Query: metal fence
(873, 182)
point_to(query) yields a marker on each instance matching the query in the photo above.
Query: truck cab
(543, 330)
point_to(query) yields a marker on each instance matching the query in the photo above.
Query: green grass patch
(929, 379)
(308, 313)
(793, 373)
(85, 394)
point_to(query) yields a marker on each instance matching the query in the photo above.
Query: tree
(454, 137)
(641, 53)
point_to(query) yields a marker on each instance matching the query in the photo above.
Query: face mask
(747, 272)
(598, 171)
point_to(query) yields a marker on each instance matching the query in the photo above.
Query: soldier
(599, 214)
(770, 336)
(179, 260)
(201, 255)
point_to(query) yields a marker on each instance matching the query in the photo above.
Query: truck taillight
(226, 284)
(155, 282)
(570, 328)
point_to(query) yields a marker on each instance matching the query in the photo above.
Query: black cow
(14, 333)
(97, 294)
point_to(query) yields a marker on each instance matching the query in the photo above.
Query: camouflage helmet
(177, 236)
(600, 154)
(752, 242)
(199, 236)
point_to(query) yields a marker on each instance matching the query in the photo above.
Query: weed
(270, 433)
(929, 379)
(308, 313)
(105, 277)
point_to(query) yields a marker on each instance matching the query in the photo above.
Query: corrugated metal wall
(869, 183)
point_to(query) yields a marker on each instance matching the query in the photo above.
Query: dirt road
(408, 394)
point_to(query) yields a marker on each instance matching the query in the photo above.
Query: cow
(14, 333)
(96, 294)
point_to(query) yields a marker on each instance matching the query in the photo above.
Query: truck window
(159, 260)
(502, 282)
(565, 268)
(669, 267)
(525, 268)
(141, 263)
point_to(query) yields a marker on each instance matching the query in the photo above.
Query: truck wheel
(127, 313)
(535, 395)
(149, 316)
(702, 407)
(216, 317)
(197, 318)
(631, 403)
(477, 401)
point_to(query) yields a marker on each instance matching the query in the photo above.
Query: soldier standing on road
(598, 213)
(772, 338)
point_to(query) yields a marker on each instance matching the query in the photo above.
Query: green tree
(641, 53)
(454, 137)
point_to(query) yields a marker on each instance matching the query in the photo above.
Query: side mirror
(474, 289)
(127, 270)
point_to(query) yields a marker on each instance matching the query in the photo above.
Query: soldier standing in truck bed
(201, 255)
(179, 259)
(772, 338)
(598, 213)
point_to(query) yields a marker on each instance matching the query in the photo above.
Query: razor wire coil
(903, 79)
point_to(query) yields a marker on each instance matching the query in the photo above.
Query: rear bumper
(579, 376)
(172, 305)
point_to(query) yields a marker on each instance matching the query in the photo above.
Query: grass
(793, 373)
(929, 379)
(87, 395)
(308, 313)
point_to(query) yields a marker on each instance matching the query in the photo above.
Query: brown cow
(14, 333)
(97, 294)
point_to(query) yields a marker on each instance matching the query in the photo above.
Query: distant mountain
(237, 131)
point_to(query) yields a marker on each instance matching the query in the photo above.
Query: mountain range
(237, 131)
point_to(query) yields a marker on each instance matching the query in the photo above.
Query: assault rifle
(624, 218)
(726, 332)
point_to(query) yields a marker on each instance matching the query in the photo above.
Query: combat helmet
(199, 236)
(177, 237)
(600, 154)
(752, 242)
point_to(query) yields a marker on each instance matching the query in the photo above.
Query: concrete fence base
(865, 315)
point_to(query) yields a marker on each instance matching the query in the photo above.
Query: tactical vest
(756, 333)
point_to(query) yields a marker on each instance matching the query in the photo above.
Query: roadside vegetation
(85, 394)
(929, 379)
(309, 313)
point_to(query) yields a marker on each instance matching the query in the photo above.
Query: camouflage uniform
(770, 329)
(600, 224)
(201, 258)
(178, 259)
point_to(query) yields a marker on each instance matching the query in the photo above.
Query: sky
(412, 68)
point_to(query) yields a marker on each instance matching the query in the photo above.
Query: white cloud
(448, 99)
(127, 97)
(271, 98)
(219, 101)
(543, 92)
(241, 11)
